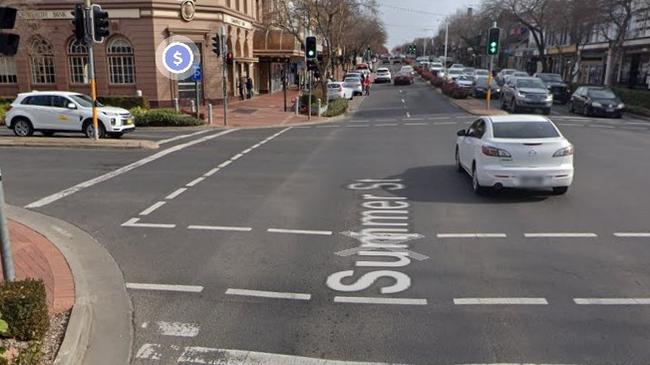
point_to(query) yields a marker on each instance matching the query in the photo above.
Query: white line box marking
(268, 294)
(500, 301)
(378, 300)
(221, 228)
(612, 301)
(165, 287)
(560, 235)
(149, 351)
(133, 222)
(206, 355)
(178, 329)
(299, 231)
(152, 208)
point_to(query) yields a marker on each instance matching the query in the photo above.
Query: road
(245, 247)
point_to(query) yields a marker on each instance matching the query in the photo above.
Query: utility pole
(224, 51)
(446, 44)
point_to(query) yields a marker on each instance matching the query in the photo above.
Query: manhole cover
(244, 110)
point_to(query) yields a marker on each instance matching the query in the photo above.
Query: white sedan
(337, 90)
(515, 151)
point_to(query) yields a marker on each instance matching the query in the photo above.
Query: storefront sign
(67, 14)
(237, 22)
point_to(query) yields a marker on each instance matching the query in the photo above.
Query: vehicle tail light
(494, 152)
(566, 151)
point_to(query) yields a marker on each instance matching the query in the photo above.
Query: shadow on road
(442, 183)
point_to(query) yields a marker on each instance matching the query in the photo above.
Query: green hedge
(126, 102)
(3, 112)
(336, 107)
(162, 118)
(23, 305)
(634, 97)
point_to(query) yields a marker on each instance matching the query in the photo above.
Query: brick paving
(36, 257)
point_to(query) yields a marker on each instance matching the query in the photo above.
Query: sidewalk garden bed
(28, 335)
(336, 107)
(164, 117)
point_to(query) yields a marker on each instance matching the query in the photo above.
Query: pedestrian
(242, 85)
(249, 87)
(367, 84)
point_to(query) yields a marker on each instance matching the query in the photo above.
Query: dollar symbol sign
(177, 58)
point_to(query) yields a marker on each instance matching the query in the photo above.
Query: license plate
(610, 109)
(531, 180)
(129, 121)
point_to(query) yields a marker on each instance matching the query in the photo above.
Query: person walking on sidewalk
(249, 87)
(242, 85)
(366, 84)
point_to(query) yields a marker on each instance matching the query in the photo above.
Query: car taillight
(566, 151)
(494, 152)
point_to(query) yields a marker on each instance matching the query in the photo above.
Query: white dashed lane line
(221, 228)
(176, 193)
(165, 287)
(268, 294)
(471, 235)
(560, 235)
(152, 208)
(612, 301)
(632, 234)
(500, 301)
(195, 181)
(133, 222)
(387, 125)
(299, 231)
(374, 300)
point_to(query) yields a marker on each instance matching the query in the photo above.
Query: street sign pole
(90, 29)
(224, 50)
(5, 252)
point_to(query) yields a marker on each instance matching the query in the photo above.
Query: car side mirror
(72, 106)
(461, 133)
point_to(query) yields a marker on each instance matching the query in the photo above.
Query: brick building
(50, 59)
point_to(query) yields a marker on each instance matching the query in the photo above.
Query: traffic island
(50, 142)
(476, 107)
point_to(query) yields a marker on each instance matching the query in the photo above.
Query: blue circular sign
(178, 57)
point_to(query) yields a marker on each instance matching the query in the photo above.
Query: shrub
(164, 117)
(3, 112)
(24, 306)
(126, 102)
(31, 355)
(634, 97)
(336, 107)
(427, 75)
(437, 81)
(454, 91)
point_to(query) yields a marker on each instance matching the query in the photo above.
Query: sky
(408, 19)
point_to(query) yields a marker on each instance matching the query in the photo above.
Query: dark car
(596, 100)
(403, 78)
(481, 88)
(556, 85)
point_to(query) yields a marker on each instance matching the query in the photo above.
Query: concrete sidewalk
(54, 142)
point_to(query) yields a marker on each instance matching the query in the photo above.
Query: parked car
(338, 90)
(362, 67)
(481, 88)
(435, 68)
(515, 151)
(403, 78)
(520, 74)
(453, 73)
(469, 71)
(457, 65)
(556, 85)
(596, 100)
(354, 83)
(408, 69)
(49, 112)
(383, 75)
(526, 93)
(503, 73)
(464, 81)
(481, 72)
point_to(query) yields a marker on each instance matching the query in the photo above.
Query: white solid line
(570, 125)
(416, 123)
(133, 222)
(246, 151)
(224, 164)
(221, 228)
(178, 329)
(612, 301)
(417, 118)
(638, 123)
(443, 123)
(175, 193)
(632, 234)
(514, 363)
(149, 351)
(152, 208)
(499, 301)
(357, 126)
(326, 126)
(471, 235)
(299, 231)
(211, 172)
(86, 184)
(601, 126)
(387, 125)
(165, 287)
(268, 294)
(259, 144)
(195, 181)
(371, 300)
(182, 136)
(560, 235)
(237, 156)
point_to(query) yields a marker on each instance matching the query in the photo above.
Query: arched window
(121, 63)
(8, 70)
(42, 61)
(78, 62)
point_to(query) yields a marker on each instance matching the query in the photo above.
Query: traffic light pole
(488, 96)
(91, 65)
(224, 51)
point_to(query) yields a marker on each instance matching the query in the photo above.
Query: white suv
(56, 111)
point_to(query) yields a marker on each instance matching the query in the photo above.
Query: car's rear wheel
(586, 111)
(23, 127)
(560, 190)
(89, 131)
(476, 185)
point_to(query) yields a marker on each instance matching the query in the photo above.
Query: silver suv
(526, 93)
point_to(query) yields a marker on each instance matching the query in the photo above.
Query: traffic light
(229, 58)
(216, 45)
(310, 47)
(8, 42)
(493, 41)
(79, 23)
(100, 24)
(311, 65)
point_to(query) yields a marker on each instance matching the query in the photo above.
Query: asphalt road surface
(244, 247)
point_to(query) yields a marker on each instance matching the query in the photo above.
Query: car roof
(54, 92)
(516, 118)
(382, 69)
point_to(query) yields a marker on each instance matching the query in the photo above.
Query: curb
(99, 330)
(77, 143)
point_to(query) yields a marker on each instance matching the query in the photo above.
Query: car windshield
(550, 77)
(530, 83)
(601, 94)
(524, 130)
(84, 100)
(482, 72)
(352, 80)
(463, 78)
(436, 65)
(455, 71)
(482, 82)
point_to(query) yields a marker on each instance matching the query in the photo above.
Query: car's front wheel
(23, 127)
(89, 131)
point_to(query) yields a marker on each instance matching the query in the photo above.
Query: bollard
(297, 105)
(176, 105)
(193, 106)
(319, 107)
(5, 251)
(210, 114)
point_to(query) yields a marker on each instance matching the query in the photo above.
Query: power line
(410, 10)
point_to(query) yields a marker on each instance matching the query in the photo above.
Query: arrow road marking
(393, 238)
